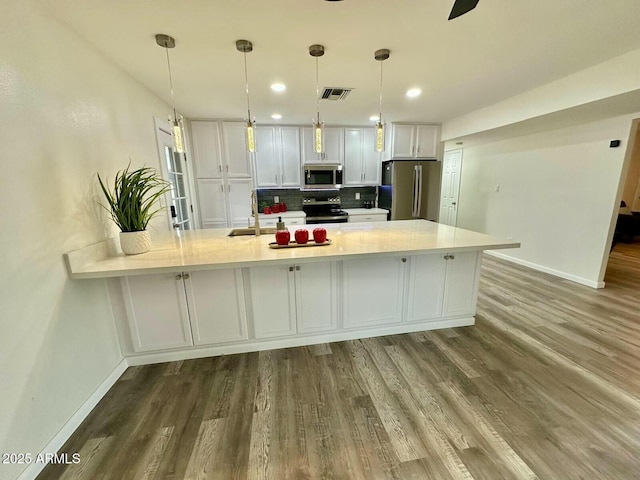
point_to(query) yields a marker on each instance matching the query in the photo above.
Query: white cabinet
(461, 285)
(374, 217)
(216, 306)
(236, 155)
(207, 153)
(373, 291)
(239, 200)
(333, 146)
(362, 164)
(273, 219)
(212, 201)
(426, 287)
(290, 299)
(157, 311)
(277, 157)
(414, 141)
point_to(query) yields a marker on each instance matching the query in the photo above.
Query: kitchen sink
(237, 232)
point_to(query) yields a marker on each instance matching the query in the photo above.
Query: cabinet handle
(227, 168)
(220, 168)
(276, 178)
(291, 269)
(404, 260)
(185, 276)
(364, 177)
(222, 187)
(297, 268)
(449, 257)
(228, 188)
(179, 276)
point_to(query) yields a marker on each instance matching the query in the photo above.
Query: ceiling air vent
(335, 93)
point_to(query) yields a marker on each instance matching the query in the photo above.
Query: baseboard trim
(297, 341)
(541, 268)
(56, 443)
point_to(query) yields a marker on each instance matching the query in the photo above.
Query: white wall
(557, 194)
(66, 113)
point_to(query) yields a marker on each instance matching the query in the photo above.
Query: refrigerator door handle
(419, 196)
(415, 192)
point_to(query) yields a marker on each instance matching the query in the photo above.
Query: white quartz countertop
(365, 211)
(213, 249)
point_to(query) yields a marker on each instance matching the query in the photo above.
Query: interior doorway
(450, 189)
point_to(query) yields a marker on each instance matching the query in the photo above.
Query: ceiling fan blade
(460, 7)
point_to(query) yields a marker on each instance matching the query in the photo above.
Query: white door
(267, 171)
(333, 145)
(353, 139)
(216, 306)
(207, 154)
(451, 169)
(239, 198)
(371, 160)
(212, 202)
(236, 155)
(403, 141)
(273, 302)
(427, 139)
(175, 171)
(461, 285)
(316, 296)
(426, 287)
(372, 291)
(157, 310)
(290, 160)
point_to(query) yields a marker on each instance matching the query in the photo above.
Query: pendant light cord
(246, 84)
(380, 117)
(317, 92)
(173, 102)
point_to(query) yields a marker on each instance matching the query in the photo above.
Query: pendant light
(245, 46)
(381, 56)
(318, 126)
(167, 42)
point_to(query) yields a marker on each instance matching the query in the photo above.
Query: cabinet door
(372, 291)
(428, 137)
(290, 160)
(239, 197)
(333, 145)
(267, 171)
(273, 301)
(207, 155)
(353, 140)
(236, 156)
(426, 287)
(461, 284)
(403, 145)
(371, 160)
(216, 306)
(309, 155)
(317, 297)
(212, 202)
(157, 311)
(295, 221)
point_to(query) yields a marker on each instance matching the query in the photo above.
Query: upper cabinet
(362, 164)
(236, 154)
(414, 141)
(206, 149)
(333, 146)
(277, 157)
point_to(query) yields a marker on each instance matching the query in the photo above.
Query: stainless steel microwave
(322, 177)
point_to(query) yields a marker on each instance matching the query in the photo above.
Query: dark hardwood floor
(545, 385)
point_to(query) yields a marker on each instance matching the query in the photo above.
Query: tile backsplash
(293, 197)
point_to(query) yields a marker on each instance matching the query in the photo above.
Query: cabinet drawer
(375, 217)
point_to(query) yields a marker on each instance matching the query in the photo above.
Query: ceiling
(498, 50)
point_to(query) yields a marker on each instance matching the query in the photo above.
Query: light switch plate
(357, 195)
(276, 199)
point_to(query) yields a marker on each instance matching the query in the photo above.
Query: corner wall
(557, 195)
(67, 113)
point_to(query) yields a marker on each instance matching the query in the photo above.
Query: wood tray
(296, 245)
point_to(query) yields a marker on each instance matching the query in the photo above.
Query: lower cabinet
(157, 310)
(290, 299)
(374, 217)
(461, 285)
(373, 291)
(216, 306)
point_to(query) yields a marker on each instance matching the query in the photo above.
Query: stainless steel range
(324, 210)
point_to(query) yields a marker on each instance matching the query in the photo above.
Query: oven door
(327, 219)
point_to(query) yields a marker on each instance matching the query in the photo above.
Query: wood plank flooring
(546, 385)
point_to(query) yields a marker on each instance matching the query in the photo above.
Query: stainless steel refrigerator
(410, 189)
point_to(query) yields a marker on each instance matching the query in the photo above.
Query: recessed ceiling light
(413, 92)
(373, 118)
(278, 87)
(276, 116)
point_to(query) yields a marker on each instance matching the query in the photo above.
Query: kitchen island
(203, 293)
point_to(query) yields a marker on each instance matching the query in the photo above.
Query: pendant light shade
(318, 126)
(245, 46)
(167, 42)
(381, 56)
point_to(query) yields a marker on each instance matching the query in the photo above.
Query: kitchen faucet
(254, 209)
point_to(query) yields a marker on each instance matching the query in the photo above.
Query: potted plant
(131, 202)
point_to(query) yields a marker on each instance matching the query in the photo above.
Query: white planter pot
(133, 243)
